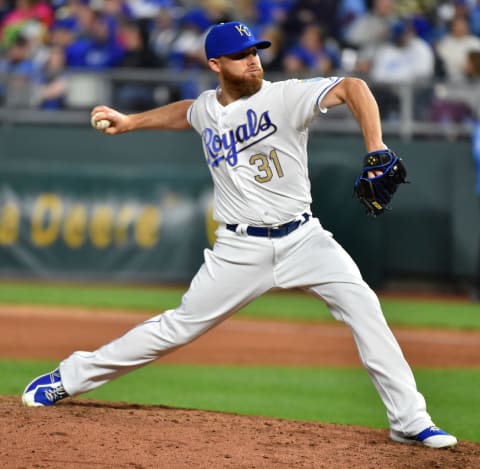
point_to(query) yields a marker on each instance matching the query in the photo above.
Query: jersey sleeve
(191, 115)
(303, 98)
(198, 109)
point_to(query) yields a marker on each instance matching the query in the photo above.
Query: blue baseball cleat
(433, 437)
(44, 390)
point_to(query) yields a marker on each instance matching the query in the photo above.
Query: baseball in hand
(101, 124)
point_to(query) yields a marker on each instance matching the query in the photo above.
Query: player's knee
(175, 328)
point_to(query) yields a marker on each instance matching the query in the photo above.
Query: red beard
(243, 86)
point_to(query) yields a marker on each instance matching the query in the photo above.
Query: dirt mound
(82, 433)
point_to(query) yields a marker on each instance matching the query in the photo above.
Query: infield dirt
(80, 433)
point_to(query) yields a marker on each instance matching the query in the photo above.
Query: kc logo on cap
(230, 38)
(242, 29)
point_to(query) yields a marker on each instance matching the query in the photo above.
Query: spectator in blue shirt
(20, 68)
(99, 49)
(312, 54)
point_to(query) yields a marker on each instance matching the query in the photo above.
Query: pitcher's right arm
(171, 116)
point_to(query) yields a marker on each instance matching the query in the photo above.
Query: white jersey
(256, 149)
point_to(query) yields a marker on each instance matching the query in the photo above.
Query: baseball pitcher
(254, 136)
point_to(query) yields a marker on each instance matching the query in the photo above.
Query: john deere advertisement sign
(72, 226)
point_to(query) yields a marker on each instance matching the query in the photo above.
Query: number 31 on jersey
(263, 163)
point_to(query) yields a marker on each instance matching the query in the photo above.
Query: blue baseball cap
(230, 38)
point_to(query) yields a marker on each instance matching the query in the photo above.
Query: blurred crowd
(385, 41)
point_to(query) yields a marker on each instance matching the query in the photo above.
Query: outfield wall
(76, 204)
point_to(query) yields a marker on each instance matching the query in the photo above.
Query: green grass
(274, 305)
(430, 313)
(343, 396)
(142, 299)
(336, 395)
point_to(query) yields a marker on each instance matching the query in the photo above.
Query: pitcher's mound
(84, 433)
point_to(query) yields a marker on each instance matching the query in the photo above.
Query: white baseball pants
(239, 269)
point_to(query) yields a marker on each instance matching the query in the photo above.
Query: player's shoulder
(291, 83)
(269, 87)
(311, 81)
(204, 100)
(206, 96)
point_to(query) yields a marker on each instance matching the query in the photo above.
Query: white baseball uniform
(256, 148)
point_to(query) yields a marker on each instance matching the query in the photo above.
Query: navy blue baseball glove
(381, 175)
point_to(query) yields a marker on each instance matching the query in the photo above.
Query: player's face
(242, 71)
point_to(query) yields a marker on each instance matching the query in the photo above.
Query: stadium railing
(420, 110)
